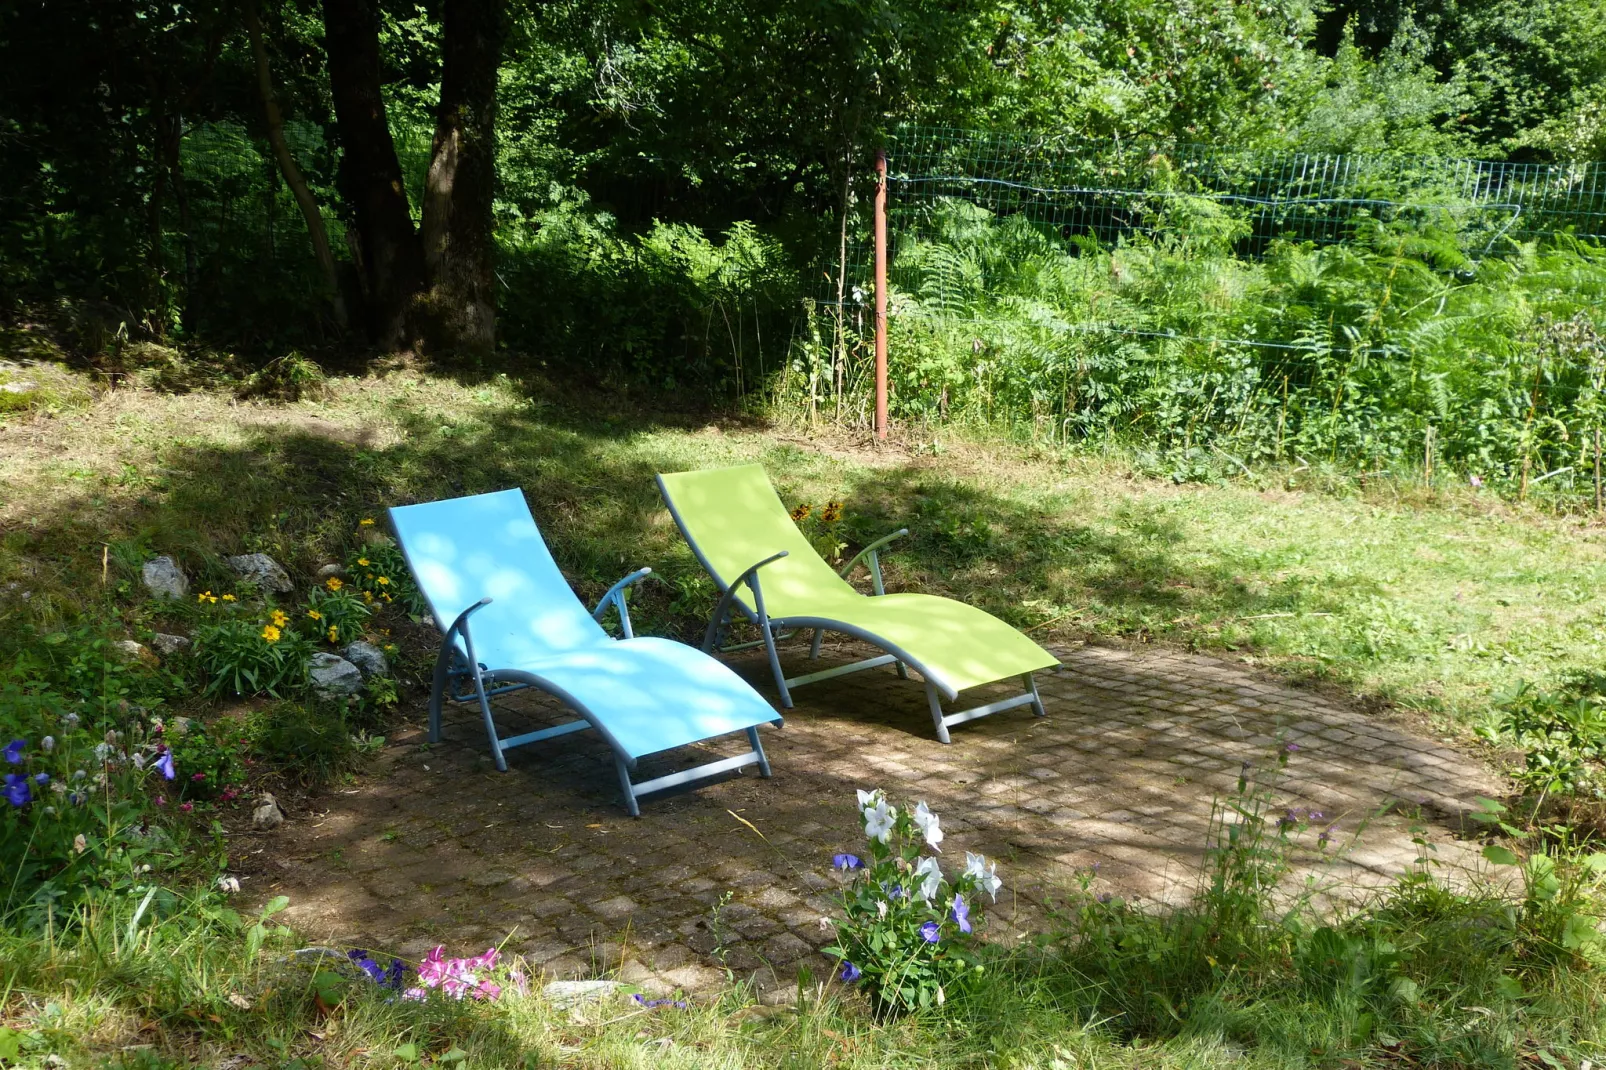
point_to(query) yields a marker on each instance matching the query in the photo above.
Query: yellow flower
(206, 596)
(363, 561)
(228, 598)
(383, 581)
(333, 583)
(387, 598)
(366, 521)
(270, 633)
(334, 633)
(279, 618)
(367, 596)
(832, 512)
(800, 514)
(314, 614)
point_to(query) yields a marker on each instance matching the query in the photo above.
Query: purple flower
(165, 764)
(13, 751)
(850, 972)
(652, 1004)
(930, 932)
(18, 793)
(394, 975)
(375, 972)
(846, 862)
(77, 798)
(961, 914)
(1291, 748)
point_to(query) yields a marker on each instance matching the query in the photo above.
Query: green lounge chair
(768, 572)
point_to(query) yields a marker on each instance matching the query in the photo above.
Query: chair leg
(490, 723)
(1037, 700)
(814, 647)
(775, 661)
(626, 787)
(758, 749)
(903, 671)
(935, 698)
(437, 691)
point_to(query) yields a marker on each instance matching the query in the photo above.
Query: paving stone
(1144, 740)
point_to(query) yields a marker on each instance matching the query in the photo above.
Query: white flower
(47, 744)
(881, 908)
(59, 787)
(984, 873)
(79, 774)
(867, 799)
(929, 874)
(878, 820)
(79, 843)
(104, 752)
(70, 720)
(926, 822)
(139, 760)
(230, 885)
(826, 923)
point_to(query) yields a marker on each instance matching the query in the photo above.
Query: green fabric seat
(738, 528)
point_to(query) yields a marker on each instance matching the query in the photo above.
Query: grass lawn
(1429, 605)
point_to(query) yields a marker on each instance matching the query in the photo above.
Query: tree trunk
(293, 177)
(458, 238)
(370, 176)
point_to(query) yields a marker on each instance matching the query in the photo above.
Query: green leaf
(407, 1053)
(456, 1055)
(1595, 863)
(1405, 990)
(1500, 856)
(10, 1044)
(1579, 931)
(276, 904)
(1509, 987)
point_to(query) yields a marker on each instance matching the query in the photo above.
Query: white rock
(263, 571)
(129, 651)
(267, 815)
(333, 676)
(164, 578)
(367, 657)
(575, 993)
(169, 644)
(19, 386)
(332, 570)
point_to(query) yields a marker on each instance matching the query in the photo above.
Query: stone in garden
(263, 571)
(169, 644)
(267, 815)
(367, 657)
(164, 578)
(564, 994)
(129, 651)
(333, 676)
(372, 536)
(19, 386)
(331, 571)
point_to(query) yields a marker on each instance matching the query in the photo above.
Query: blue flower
(13, 751)
(77, 798)
(930, 932)
(961, 914)
(846, 862)
(18, 793)
(42, 779)
(165, 764)
(652, 1004)
(850, 972)
(395, 974)
(375, 972)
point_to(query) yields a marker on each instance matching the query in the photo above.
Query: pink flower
(186, 807)
(161, 800)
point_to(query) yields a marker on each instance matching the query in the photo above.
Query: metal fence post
(881, 294)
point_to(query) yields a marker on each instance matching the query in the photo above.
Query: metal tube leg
(437, 691)
(1037, 700)
(716, 625)
(903, 671)
(775, 662)
(490, 724)
(758, 749)
(625, 786)
(814, 648)
(935, 698)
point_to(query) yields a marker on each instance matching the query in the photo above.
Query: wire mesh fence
(1229, 308)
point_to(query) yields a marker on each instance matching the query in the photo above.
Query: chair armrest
(749, 576)
(873, 552)
(616, 596)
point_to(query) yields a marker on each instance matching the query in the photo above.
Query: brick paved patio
(434, 846)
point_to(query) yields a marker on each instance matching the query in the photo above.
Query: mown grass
(1431, 602)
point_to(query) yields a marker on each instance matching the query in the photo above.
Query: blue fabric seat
(511, 621)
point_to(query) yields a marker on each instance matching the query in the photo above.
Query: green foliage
(907, 928)
(378, 571)
(242, 656)
(1561, 733)
(311, 742)
(336, 615)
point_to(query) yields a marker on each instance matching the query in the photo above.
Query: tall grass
(1395, 352)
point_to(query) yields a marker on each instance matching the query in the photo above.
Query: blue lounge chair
(481, 557)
